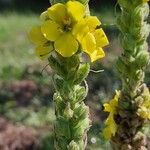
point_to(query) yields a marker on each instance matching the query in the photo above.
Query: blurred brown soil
(23, 91)
(17, 137)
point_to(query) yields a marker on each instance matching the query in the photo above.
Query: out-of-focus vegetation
(26, 89)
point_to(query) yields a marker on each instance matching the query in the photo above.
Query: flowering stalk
(72, 115)
(65, 32)
(132, 108)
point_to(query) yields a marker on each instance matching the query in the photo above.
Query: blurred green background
(26, 90)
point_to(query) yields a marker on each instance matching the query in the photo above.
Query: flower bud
(124, 3)
(68, 112)
(81, 111)
(142, 59)
(145, 11)
(120, 65)
(130, 4)
(73, 146)
(141, 13)
(44, 16)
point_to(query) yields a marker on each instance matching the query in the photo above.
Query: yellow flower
(110, 124)
(43, 46)
(44, 16)
(58, 28)
(91, 37)
(145, 1)
(144, 112)
(144, 109)
(66, 27)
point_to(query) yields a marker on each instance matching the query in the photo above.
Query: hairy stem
(72, 115)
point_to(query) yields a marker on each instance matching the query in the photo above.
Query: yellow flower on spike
(144, 110)
(58, 28)
(91, 37)
(43, 46)
(65, 28)
(44, 16)
(110, 124)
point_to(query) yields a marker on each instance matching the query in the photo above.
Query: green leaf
(58, 82)
(56, 66)
(62, 128)
(82, 73)
(81, 93)
(81, 111)
(80, 128)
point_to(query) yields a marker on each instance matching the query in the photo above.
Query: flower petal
(92, 22)
(36, 36)
(51, 30)
(101, 39)
(107, 133)
(89, 46)
(44, 16)
(57, 12)
(66, 45)
(80, 29)
(97, 54)
(107, 107)
(110, 127)
(76, 10)
(88, 43)
(43, 52)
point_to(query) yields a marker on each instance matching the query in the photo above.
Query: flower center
(67, 24)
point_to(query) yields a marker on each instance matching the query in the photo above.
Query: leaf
(62, 127)
(82, 73)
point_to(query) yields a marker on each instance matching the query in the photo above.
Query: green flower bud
(121, 22)
(121, 66)
(130, 4)
(80, 128)
(81, 111)
(139, 75)
(57, 97)
(146, 94)
(58, 100)
(124, 3)
(145, 11)
(137, 17)
(81, 93)
(141, 13)
(139, 100)
(142, 47)
(68, 112)
(145, 30)
(128, 43)
(142, 59)
(73, 146)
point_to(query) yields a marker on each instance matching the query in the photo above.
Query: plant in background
(130, 110)
(65, 32)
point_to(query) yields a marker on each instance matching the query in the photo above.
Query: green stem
(131, 65)
(72, 115)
